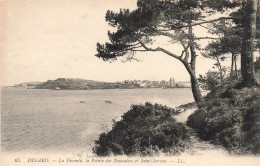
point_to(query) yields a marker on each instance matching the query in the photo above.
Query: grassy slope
(64, 83)
(144, 130)
(231, 118)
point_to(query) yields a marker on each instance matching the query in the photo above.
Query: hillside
(144, 130)
(64, 83)
(231, 117)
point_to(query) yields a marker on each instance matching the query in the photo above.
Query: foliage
(252, 128)
(257, 69)
(230, 36)
(229, 40)
(231, 32)
(230, 118)
(156, 18)
(257, 65)
(144, 130)
(210, 81)
(138, 30)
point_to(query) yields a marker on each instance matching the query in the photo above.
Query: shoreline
(93, 88)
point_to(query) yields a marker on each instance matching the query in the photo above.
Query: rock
(108, 102)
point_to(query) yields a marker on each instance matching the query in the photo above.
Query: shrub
(144, 130)
(198, 119)
(232, 139)
(231, 118)
(210, 82)
(251, 127)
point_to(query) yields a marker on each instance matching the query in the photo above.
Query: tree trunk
(192, 49)
(235, 60)
(247, 58)
(196, 91)
(191, 68)
(220, 71)
(232, 65)
(194, 86)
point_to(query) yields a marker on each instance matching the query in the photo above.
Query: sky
(48, 39)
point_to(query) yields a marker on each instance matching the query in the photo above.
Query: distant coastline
(82, 84)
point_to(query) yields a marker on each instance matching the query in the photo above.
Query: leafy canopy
(153, 18)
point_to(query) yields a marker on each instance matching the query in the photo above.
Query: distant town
(82, 84)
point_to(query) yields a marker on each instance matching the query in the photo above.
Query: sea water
(70, 120)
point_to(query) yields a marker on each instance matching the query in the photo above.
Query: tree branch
(165, 34)
(160, 49)
(185, 49)
(144, 46)
(207, 28)
(142, 50)
(205, 22)
(129, 49)
(130, 58)
(199, 38)
(168, 53)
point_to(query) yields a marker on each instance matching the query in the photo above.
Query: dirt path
(198, 146)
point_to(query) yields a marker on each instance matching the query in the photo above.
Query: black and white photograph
(130, 82)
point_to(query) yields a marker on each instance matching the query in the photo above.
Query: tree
(210, 81)
(247, 57)
(215, 51)
(137, 30)
(229, 42)
(231, 35)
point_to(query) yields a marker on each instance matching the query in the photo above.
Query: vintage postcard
(130, 82)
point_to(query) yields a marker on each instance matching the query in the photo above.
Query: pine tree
(137, 29)
(249, 32)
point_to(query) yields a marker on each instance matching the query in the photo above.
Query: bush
(197, 120)
(210, 82)
(251, 127)
(144, 130)
(232, 139)
(230, 118)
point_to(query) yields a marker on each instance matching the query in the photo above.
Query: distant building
(183, 84)
(164, 84)
(142, 84)
(27, 85)
(172, 82)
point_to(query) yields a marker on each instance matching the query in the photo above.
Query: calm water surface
(49, 120)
